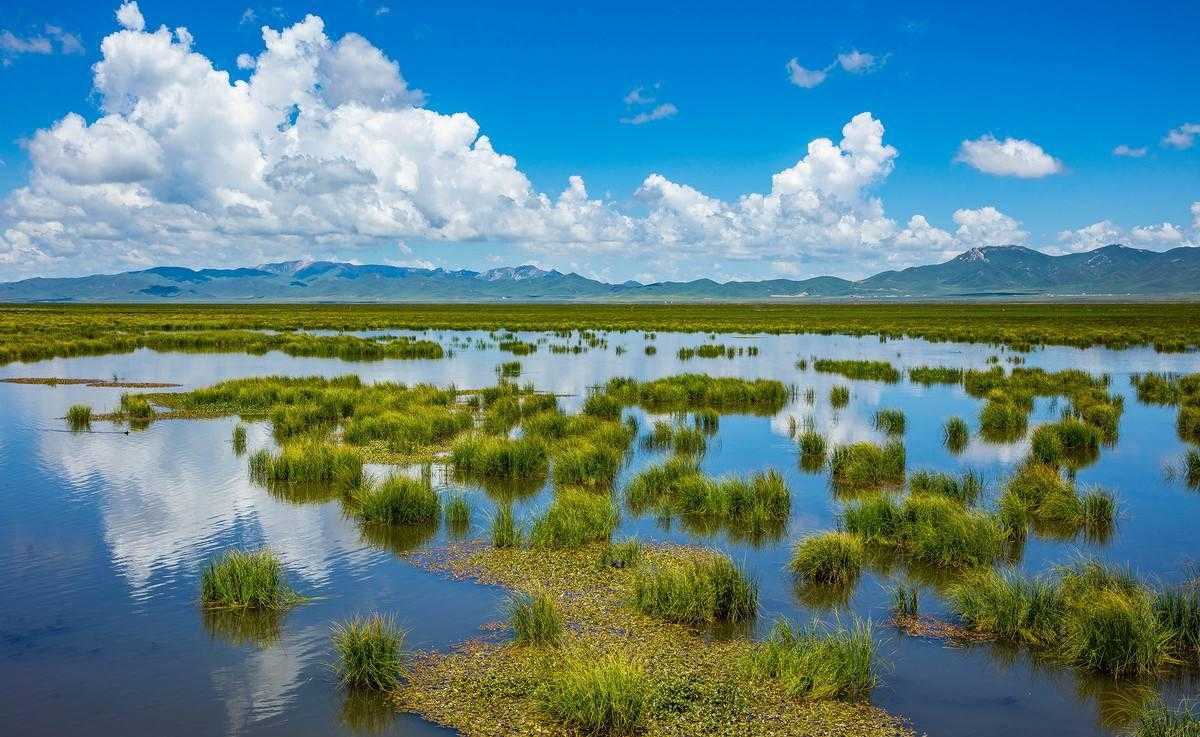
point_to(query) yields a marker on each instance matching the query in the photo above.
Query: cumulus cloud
(1154, 237)
(659, 112)
(1089, 237)
(1130, 151)
(857, 62)
(804, 77)
(1182, 137)
(987, 226)
(130, 17)
(1163, 233)
(1012, 157)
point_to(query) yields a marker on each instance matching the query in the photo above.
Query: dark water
(103, 536)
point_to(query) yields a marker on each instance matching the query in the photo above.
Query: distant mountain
(994, 271)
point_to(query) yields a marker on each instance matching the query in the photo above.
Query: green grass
(1003, 419)
(1156, 719)
(398, 500)
(535, 619)
(964, 489)
(239, 439)
(696, 591)
(861, 370)
(1068, 441)
(817, 663)
(862, 466)
(691, 392)
(585, 463)
(933, 530)
(761, 502)
(79, 416)
(505, 532)
(136, 408)
(928, 375)
(605, 694)
(458, 513)
(904, 600)
(246, 580)
(839, 396)
(1191, 462)
(890, 421)
(812, 451)
(956, 435)
(624, 554)
(1037, 494)
(509, 369)
(308, 461)
(707, 421)
(1017, 609)
(487, 456)
(828, 558)
(691, 441)
(370, 652)
(574, 518)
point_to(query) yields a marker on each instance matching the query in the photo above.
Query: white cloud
(245, 61)
(803, 77)
(248, 17)
(1089, 237)
(1154, 237)
(857, 62)
(1162, 234)
(13, 44)
(1182, 137)
(639, 96)
(987, 226)
(660, 112)
(1196, 216)
(1012, 157)
(1130, 151)
(130, 17)
(382, 10)
(919, 233)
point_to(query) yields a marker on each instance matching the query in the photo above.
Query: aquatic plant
(1003, 419)
(239, 439)
(370, 652)
(574, 518)
(1156, 719)
(761, 502)
(929, 529)
(624, 554)
(246, 580)
(935, 375)
(1069, 441)
(706, 420)
(535, 619)
(79, 416)
(509, 369)
(605, 694)
(458, 512)
(955, 435)
(890, 421)
(816, 662)
(397, 500)
(135, 407)
(690, 392)
(1192, 465)
(828, 558)
(812, 451)
(582, 462)
(505, 532)
(1012, 607)
(839, 396)
(964, 489)
(695, 591)
(308, 461)
(904, 601)
(865, 465)
(1038, 494)
(487, 456)
(601, 405)
(857, 369)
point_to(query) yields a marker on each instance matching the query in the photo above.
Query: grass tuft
(370, 653)
(696, 591)
(817, 663)
(597, 694)
(535, 619)
(246, 580)
(398, 500)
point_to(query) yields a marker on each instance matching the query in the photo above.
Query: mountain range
(979, 273)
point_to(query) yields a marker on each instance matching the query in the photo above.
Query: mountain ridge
(988, 271)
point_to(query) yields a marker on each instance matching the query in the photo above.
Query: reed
(370, 652)
(505, 532)
(239, 439)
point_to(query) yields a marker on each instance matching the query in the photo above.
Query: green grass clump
(956, 435)
(1017, 609)
(1156, 719)
(509, 370)
(370, 653)
(1038, 494)
(79, 416)
(398, 500)
(812, 451)
(585, 463)
(246, 580)
(933, 530)
(816, 663)
(696, 591)
(964, 489)
(603, 406)
(1191, 463)
(239, 439)
(689, 392)
(535, 619)
(707, 421)
(135, 407)
(680, 439)
(828, 558)
(490, 457)
(759, 503)
(1069, 441)
(1187, 423)
(864, 465)
(890, 421)
(1003, 420)
(904, 600)
(308, 461)
(458, 513)
(863, 370)
(1178, 611)
(574, 518)
(839, 396)
(935, 375)
(506, 533)
(625, 554)
(604, 694)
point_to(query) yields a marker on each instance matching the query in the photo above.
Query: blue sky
(547, 86)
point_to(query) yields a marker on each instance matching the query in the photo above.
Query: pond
(103, 535)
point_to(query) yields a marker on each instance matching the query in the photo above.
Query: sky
(618, 140)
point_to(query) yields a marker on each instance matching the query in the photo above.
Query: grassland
(32, 332)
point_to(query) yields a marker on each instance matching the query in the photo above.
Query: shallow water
(103, 536)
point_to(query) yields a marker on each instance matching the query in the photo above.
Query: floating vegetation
(956, 435)
(828, 558)
(370, 652)
(695, 591)
(690, 683)
(756, 506)
(890, 421)
(308, 461)
(860, 370)
(928, 529)
(574, 518)
(79, 416)
(1089, 616)
(246, 580)
(863, 466)
(690, 392)
(398, 500)
(817, 663)
(839, 396)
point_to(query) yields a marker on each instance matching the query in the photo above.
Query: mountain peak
(516, 273)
